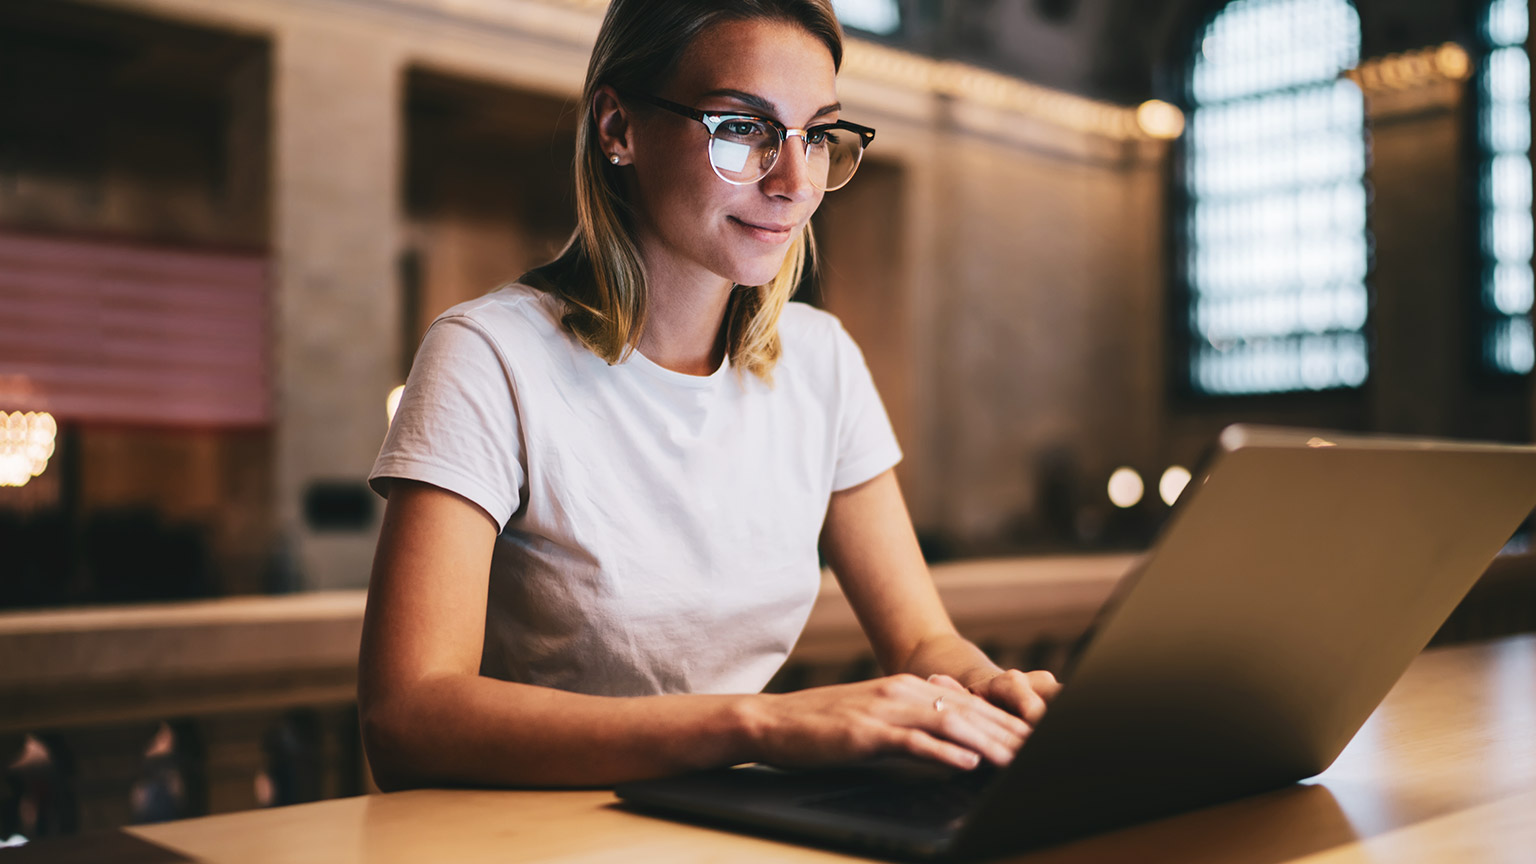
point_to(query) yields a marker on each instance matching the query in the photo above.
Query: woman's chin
(758, 272)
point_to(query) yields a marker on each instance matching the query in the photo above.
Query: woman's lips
(767, 233)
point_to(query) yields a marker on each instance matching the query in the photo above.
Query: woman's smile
(775, 233)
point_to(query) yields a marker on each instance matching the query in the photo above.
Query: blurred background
(1089, 234)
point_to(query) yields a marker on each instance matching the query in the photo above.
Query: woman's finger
(917, 742)
(946, 681)
(957, 727)
(1003, 725)
(1043, 683)
(970, 722)
(953, 714)
(1014, 691)
(1006, 722)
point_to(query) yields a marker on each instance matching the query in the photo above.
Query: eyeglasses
(743, 148)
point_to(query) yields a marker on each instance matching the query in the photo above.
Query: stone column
(336, 170)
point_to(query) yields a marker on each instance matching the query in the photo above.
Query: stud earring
(614, 158)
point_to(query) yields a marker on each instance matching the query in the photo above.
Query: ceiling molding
(965, 83)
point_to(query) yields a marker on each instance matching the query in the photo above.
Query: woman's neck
(685, 319)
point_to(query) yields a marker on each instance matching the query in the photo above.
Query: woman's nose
(790, 176)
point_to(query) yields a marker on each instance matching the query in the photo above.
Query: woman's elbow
(392, 754)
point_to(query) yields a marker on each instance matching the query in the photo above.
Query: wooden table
(1445, 771)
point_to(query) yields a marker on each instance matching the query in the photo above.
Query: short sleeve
(866, 443)
(456, 426)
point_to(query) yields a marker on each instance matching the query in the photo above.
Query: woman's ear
(613, 129)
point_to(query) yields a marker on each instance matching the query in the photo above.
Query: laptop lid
(1293, 585)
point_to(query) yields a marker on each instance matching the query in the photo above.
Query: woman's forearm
(478, 730)
(474, 730)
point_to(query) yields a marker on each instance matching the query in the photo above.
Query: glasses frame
(713, 119)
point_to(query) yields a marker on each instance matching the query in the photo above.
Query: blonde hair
(598, 274)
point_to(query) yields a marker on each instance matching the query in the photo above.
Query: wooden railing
(140, 713)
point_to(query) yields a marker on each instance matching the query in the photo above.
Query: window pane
(1276, 225)
(1504, 132)
(873, 16)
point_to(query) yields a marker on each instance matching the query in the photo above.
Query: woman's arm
(429, 717)
(869, 542)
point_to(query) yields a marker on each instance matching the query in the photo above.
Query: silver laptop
(1299, 575)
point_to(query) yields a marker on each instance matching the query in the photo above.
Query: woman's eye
(821, 136)
(742, 128)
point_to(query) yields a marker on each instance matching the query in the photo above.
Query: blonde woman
(606, 483)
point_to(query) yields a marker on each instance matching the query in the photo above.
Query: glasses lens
(743, 149)
(833, 155)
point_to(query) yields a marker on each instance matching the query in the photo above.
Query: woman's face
(692, 225)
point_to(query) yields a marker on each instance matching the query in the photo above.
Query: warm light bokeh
(1173, 483)
(1159, 119)
(26, 443)
(1125, 488)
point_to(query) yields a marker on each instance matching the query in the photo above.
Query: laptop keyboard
(940, 803)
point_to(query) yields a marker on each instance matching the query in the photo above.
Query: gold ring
(938, 704)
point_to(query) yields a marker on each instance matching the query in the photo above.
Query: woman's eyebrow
(758, 103)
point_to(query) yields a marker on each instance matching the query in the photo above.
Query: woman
(606, 483)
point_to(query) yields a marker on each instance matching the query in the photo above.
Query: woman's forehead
(761, 65)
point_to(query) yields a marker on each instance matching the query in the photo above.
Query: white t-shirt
(658, 530)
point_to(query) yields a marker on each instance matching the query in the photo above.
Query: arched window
(1504, 136)
(1276, 249)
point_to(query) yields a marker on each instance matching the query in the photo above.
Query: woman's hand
(1025, 694)
(897, 715)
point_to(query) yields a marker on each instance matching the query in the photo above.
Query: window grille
(1275, 237)
(1504, 136)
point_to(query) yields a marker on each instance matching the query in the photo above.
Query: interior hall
(1089, 235)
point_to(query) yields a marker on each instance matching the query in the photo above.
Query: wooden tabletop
(1445, 771)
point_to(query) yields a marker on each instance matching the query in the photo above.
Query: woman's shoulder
(512, 325)
(809, 333)
(512, 305)
(510, 316)
(802, 322)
